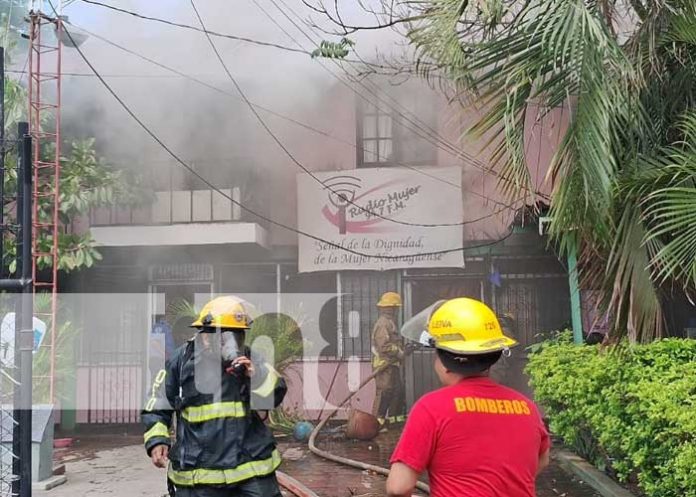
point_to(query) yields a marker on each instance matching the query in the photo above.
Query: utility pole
(2, 162)
(574, 285)
(24, 333)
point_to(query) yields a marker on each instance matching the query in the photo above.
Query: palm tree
(623, 173)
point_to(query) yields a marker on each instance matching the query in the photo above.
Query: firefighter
(473, 436)
(387, 355)
(222, 447)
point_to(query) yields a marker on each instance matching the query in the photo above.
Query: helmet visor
(416, 328)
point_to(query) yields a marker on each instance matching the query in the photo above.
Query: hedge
(630, 410)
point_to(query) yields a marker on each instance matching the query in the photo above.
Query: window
(377, 135)
(392, 133)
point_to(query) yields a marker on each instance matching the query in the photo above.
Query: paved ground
(117, 466)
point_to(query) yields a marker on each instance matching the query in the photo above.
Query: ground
(118, 466)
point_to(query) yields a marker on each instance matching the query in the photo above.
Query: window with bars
(376, 135)
(391, 134)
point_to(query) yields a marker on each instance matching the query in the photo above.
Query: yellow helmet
(223, 312)
(460, 326)
(389, 299)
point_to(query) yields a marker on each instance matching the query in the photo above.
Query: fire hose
(293, 486)
(344, 460)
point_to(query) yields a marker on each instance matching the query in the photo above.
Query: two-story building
(390, 175)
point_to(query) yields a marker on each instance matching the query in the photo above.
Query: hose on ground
(294, 486)
(344, 460)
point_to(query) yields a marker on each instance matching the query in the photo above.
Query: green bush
(630, 410)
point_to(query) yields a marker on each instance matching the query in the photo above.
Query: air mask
(232, 347)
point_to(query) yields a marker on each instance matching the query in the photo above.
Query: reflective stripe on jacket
(220, 440)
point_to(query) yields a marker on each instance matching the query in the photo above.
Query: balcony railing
(177, 206)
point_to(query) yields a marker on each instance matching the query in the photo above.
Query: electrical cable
(187, 26)
(290, 155)
(454, 151)
(222, 35)
(443, 143)
(286, 118)
(434, 135)
(420, 171)
(89, 75)
(166, 148)
(205, 84)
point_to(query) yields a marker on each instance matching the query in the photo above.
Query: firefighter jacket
(386, 343)
(220, 440)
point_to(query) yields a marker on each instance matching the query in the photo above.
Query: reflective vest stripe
(189, 478)
(268, 385)
(198, 414)
(158, 430)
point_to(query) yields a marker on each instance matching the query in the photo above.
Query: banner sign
(355, 212)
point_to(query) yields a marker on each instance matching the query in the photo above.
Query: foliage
(331, 50)
(86, 182)
(629, 409)
(181, 308)
(621, 74)
(627, 97)
(283, 421)
(66, 335)
(284, 334)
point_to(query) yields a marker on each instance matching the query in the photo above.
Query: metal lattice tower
(44, 123)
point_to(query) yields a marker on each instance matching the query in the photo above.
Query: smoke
(217, 134)
(198, 123)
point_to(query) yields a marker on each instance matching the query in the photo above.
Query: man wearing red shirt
(474, 437)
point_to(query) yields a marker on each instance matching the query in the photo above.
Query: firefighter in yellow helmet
(387, 355)
(215, 386)
(473, 436)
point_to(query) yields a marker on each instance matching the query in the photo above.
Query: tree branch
(347, 29)
(640, 9)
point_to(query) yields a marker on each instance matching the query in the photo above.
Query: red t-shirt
(476, 439)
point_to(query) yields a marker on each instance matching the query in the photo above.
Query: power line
(213, 33)
(289, 154)
(453, 150)
(90, 75)
(457, 153)
(194, 28)
(277, 114)
(443, 143)
(207, 85)
(420, 171)
(166, 148)
(302, 50)
(440, 142)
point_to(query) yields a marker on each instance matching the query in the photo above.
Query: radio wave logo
(342, 190)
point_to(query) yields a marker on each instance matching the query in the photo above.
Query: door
(535, 306)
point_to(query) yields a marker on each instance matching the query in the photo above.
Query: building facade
(192, 239)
